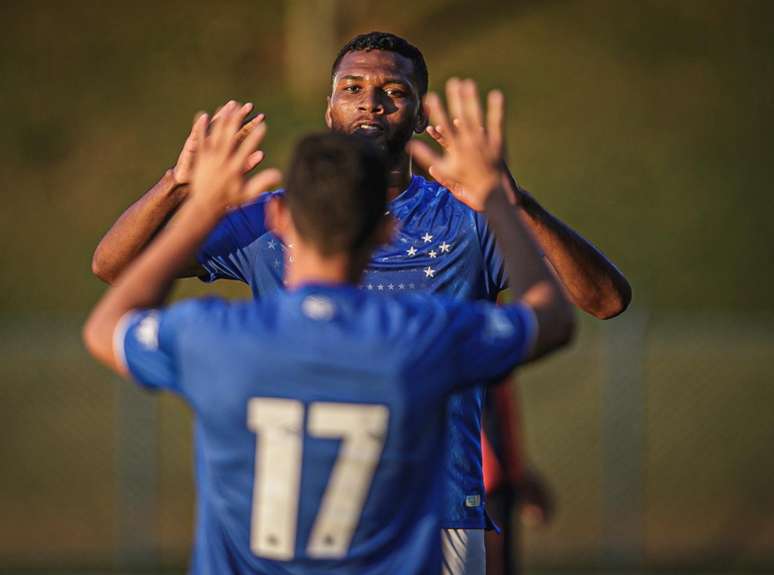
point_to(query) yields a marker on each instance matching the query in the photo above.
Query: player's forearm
(147, 281)
(592, 281)
(530, 280)
(136, 227)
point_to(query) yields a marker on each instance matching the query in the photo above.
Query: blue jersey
(322, 417)
(441, 246)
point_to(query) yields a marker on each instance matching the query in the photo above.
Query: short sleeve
(148, 342)
(489, 340)
(494, 266)
(225, 254)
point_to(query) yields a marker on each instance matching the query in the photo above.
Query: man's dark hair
(337, 191)
(390, 43)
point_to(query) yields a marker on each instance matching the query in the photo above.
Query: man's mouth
(369, 129)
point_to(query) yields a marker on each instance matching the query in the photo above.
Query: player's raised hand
(471, 165)
(436, 133)
(217, 177)
(185, 161)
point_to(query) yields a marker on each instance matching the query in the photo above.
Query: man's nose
(371, 102)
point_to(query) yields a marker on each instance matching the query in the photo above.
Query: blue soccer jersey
(441, 246)
(322, 417)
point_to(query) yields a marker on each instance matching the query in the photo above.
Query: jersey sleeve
(148, 342)
(494, 266)
(489, 341)
(225, 252)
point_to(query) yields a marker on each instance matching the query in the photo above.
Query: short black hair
(337, 191)
(390, 43)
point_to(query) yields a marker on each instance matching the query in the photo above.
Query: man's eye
(396, 93)
(352, 89)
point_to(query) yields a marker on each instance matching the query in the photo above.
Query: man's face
(375, 96)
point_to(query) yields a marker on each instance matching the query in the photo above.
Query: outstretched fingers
(261, 183)
(437, 114)
(436, 133)
(423, 154)
(495, 116)
(249, 145)
(454, 97)
(253, 160)
(471, 115)
(199, 130)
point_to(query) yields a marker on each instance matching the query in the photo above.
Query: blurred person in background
(443, 245)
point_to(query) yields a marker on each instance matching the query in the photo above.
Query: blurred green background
(646, 125)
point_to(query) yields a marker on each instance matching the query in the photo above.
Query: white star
(412, 251)
(276, 263)
(391, 286)
(429, 272)
(272, 244)
(427, 238)
(401, 286)
(432, 253)
(371, 286)
(445, 247)
(380, 287)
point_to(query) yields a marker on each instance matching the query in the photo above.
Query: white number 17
(278, 424)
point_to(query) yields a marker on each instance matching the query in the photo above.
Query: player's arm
(216, 183)
(591, 280)
(145, 218)
(473, 157)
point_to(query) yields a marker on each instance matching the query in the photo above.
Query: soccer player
(323, 407)
(443, 245)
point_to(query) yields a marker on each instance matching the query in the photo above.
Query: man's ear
(421, 122)
(276, 217)
(328, 119)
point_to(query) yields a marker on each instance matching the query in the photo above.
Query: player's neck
(304, 265)
(400, 176)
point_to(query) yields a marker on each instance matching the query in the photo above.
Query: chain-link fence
(655, 433)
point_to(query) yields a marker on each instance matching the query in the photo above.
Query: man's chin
(378, 140)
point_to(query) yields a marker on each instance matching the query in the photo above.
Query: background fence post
(623, 404)
(136, 468)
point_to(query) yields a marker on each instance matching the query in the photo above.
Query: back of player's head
(337, 191)
(390, 43)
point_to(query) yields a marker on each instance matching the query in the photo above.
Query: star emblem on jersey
(444, 247)
(427, 238)
(272, 244)
(429, 272)
(432, 254)
(412, 251)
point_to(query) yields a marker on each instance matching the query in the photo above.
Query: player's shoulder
(215, 311)
(432, 193)
(417, 316)
(188, 311)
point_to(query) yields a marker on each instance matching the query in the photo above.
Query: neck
(304, 265)
(400, 176)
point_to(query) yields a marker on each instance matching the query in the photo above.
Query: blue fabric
(441, 246)
(324, 345)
